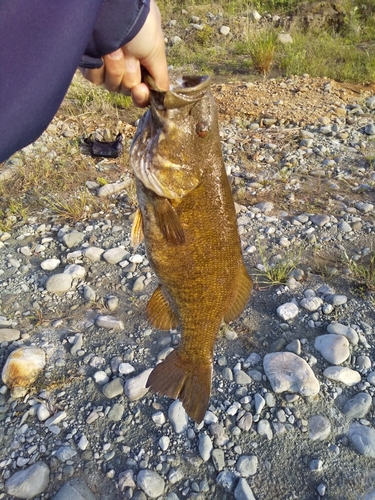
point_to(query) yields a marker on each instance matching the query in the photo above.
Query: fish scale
(188, 222)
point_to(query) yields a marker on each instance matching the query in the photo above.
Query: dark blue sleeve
(41, 46)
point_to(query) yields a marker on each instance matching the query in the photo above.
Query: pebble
(334, 348)
(42, 413)
(75, 271)
(205, 447)
(126, 369)
(178, 417)
(115, 255)
(287, 372)
(358, 406)
(312, 303)
(113, 388)
(135, 388)
(75, 489)
(109, 322)
(9, 334)
(319, 428)
(65, 452)
(287, 311)
(73, 239)
(59, 283)
(243, 490)
(116, 412)
(29, 482)
(112, 188)
(342, 374)
(226, 479)
(240, 377)
(264, 429)
(218, 459)
(340, 329)
(224, 30)
(89, 294)
(50, 264)
(93, 254)
(362, 438)
(247, 465)
(151, 483)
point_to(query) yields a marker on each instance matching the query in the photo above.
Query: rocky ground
(291, 414)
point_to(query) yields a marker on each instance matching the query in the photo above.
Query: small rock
(284, 38)
(247, 465)
(311, 303)
(319, 428)
(113, 188)
(287, 311)
(226, 479)
(116, 412)
(89, 294)
(342, 374)
(205, 447)
(287, 372)
(362, 438)
(224, 30)
(243, 491)
(75, 489)
(28, 482)
(113, 388)
(334, 348)
(59, 283)
(151, 483)
(73, 239)
(93, 254)
(9, 334)
(42, 413)
(50, 264)
(115, 255)
(65, 453)
(135, 388)
(264, 429)
(340, 329)
(109, 322)
(178, 417)
(357, 406)
(75, 271)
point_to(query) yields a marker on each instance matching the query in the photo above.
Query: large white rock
(22, 368)
(287, 311)
(178, 417)
(59, 283)
(287, 372)
(151, 483)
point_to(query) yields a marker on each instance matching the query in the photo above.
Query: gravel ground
(291, 414)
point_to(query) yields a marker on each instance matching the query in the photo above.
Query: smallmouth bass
(187, 218)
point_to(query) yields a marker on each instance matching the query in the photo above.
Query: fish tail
(189, 382)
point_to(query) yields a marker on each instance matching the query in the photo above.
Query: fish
(187, 219)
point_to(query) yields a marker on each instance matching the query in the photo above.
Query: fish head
(175, 137)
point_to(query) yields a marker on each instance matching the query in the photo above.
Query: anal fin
(168, 221)
(244, 286)
(136, 234)
(160, 313)
(188, 381)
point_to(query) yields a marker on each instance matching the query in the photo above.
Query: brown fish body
(191, 239)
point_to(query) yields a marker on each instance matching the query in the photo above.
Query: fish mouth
(158, 131)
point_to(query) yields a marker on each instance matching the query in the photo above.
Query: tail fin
(185, 380)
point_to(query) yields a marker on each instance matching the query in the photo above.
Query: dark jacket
(42, 42)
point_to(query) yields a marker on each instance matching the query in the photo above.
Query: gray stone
(59, 283)
(344, 227)
(264, 429)
(243, 490)
(287, 311)
(342, 374)
(93, 254)
(205, 447)
(65, 452)
(73, 239)
(75, 489)
(242, 378)
(151, 483)
(113, 388)
(370, 102)
(135, 387)
(287, 372)
(116, 412)
(247, 465)
(319, 428)
(265, 206)
(9, 334)
(218, 459)
(311, 303)
(104, 321)
(29, 482)
(362, 438)
(284, 38)
(75, 271)
(115, 255)
(320, 220)
(178, 417)
(364, 207)
(89, 294)
(357, 406)
(336, 299)
(334, 348)
(226, 479)
(340, 329)
(370, 129)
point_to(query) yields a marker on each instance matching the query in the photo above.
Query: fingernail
(116, 55)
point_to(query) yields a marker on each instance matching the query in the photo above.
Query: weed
(204, 36)
(275, 271)
(74, 209)
(363, 273)
(262, 47)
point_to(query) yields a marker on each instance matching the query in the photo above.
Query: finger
(132, 73)
(95, 76)
(114, 65)
(141, 95)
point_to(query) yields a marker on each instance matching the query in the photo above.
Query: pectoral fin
(243, 290)
(136, 234)
(159, 312)
(168, 221)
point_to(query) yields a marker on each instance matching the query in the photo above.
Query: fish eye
(202, 129)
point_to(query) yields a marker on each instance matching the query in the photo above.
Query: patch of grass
(326, 55)
(275, 271)
(75, 208)
(363, 273)
(262, 48)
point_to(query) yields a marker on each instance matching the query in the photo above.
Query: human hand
(121, 71)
